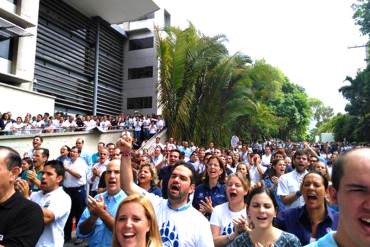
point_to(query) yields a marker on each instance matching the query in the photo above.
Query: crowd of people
(143, 126)
(177, 194)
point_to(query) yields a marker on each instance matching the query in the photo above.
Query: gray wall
(55, 140)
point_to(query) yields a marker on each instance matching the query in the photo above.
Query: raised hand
(206, 206)
(125, 142)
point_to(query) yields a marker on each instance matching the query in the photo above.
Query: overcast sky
(307, 39)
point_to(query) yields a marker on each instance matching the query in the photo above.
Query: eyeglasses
(112, 171)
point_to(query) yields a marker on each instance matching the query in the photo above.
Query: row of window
(139, 103)
(141, 72)
(137, 44)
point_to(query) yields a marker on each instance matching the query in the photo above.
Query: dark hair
(271, 171)
(175, 150)
(78, 150)
(108, 144)
(58, 167)
(13, 158)
(45, 152)
(338, 171)
(260, 190)
(38, 137)
(300, 152)
(281, 152)
(67, 147)
(29, 161)
(324, 179)
(187, 165)
(222, 166)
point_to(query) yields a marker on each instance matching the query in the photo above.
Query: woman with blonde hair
(230, 216)
(136, 224)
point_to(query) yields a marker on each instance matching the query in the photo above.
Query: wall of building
(143, 87)
(54, 141)
(19, 101)
(20, 70)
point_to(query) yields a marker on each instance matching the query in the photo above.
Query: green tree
(321, 113)
(208, 95)
(358, 108)
(293, 110)
(362, 15)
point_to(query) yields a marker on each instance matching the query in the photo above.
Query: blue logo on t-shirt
(227, 230)
(170, 238)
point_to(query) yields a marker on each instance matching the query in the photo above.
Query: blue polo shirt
(269, 184)
(217, 194)
(101, 235)
(326, 241)
(296, 221)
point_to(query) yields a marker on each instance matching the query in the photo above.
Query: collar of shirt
(183, 208)
(115, 198)
(330, 218)
(11, 200)
(218, 186)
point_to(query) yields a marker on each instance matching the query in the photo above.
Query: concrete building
(141, 63)
(65, 55)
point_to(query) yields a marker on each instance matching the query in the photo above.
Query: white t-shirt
(183, 227)
(266, 160)
(223, 217)
(79, 166)
(290, 183)
(101, 168)
(254, 175)
(59, 203)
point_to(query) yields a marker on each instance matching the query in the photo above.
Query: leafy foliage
(362, 15)
(208, 95)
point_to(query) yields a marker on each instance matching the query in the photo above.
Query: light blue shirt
(326, 241)
(86, 157)
(101, 236)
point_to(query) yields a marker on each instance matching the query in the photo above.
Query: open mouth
(311, 197)
(233, 194)
(365, 221)
(111, 182)
(175, 187)
(129, 235)
(262, 218)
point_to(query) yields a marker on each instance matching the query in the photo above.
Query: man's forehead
(114, 165)
(49, 169)
(182, 170)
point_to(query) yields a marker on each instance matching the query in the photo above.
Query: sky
(307, 40)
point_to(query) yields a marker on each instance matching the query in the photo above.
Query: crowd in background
(290, 178)
(144, 126)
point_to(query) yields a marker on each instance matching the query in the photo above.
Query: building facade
(67, 53)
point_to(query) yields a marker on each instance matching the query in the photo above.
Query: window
(137, 44)
(6, 48)
(143, 72)
(139, 103)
